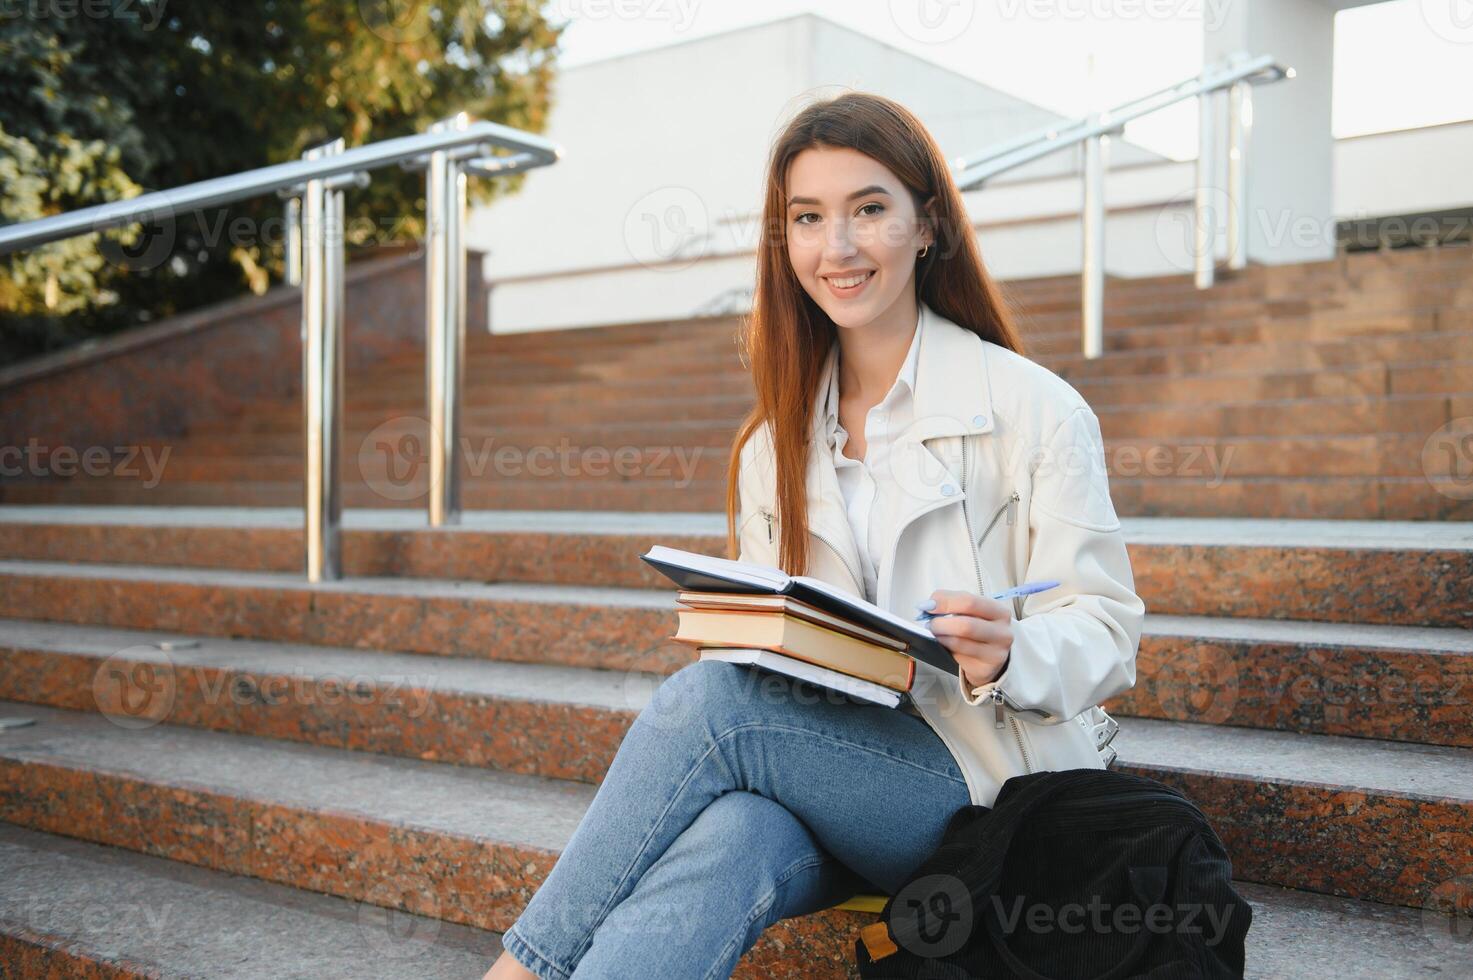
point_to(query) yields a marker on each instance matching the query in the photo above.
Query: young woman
(902, 448)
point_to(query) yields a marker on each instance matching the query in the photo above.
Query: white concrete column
(1289, 160)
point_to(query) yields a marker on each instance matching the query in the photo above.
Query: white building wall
(652, 212)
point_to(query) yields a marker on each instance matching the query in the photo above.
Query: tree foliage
(101, 100)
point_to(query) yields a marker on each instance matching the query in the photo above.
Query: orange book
(800, 639)
(790, 606)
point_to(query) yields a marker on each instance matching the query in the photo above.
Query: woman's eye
(799, 219)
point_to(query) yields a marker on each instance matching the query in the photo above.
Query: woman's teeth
(850, 281)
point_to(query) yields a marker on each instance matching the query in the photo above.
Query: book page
(761, 576)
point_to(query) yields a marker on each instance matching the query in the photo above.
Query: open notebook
(704, 573)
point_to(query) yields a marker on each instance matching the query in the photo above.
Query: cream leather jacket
(1004, 476)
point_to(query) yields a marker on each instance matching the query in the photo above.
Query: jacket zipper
(858, 577)
(997, 698)
(966, 515)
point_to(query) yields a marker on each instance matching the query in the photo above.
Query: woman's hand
(977, 630)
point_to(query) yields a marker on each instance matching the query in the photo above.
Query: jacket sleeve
(1074, 646)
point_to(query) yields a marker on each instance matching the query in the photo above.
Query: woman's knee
(755, 839)
(701, 691)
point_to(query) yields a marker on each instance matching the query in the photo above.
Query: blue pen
(1027, 588)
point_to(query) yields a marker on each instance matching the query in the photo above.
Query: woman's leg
(743, 864)
(874, 785)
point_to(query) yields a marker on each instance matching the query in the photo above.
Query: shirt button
(948, 490)
(979, 420)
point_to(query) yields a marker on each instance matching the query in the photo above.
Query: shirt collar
(906, 375)
(956, 366)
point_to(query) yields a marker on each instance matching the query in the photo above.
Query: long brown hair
(786, 338)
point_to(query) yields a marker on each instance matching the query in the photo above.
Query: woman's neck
(870, 356)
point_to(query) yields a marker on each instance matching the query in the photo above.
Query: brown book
(798, 638)
(790, 606)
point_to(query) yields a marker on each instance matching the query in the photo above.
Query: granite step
(1391, 683)
(363, 436)
(1392, 573)
(462, 845)
(1454, 344)
(388, 458)
(117, 913)
(108, 911)
(1355, 818)
(70, 909)
(1293, 498)
(698, 356)
(1264, 344)
(1262, 668)
(734, 398)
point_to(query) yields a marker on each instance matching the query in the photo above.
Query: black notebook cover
(920, 645)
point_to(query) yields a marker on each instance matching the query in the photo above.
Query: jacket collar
(953, 396)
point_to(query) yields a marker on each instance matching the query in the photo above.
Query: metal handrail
(1233, 78)
(267, 180)
(453, 150)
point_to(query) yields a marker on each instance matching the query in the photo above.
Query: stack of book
(791, 637)
(796, 625)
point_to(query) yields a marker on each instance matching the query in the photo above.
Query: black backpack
(1076, 874)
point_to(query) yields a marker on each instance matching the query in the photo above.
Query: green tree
(101, 100)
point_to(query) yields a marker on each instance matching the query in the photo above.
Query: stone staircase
(230, 771)
(1313, 391)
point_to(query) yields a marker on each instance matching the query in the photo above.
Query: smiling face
(853, 233)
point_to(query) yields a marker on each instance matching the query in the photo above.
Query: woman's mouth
(846, 286)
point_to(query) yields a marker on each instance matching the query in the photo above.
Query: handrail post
(1205, 229)
(1092, 228)
(322, 369)
(445, 318)
(1240, 127)
(292, 242)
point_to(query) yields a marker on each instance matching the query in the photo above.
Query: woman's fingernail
(926, 606)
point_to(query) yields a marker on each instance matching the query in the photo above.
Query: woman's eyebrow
(862, 192)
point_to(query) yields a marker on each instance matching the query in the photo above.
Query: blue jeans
(738, 797)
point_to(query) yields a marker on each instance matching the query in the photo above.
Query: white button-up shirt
(871, 496)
